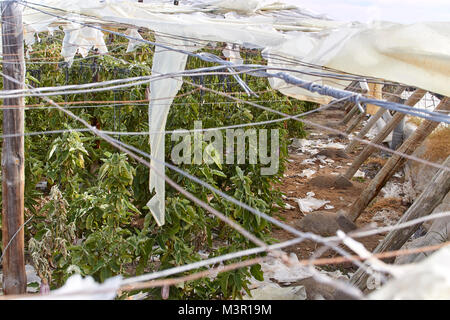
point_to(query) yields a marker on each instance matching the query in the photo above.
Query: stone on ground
(325, 223)
(333, 153)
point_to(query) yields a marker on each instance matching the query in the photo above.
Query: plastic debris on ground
(308, 173)
(359, 174)
(313, 146)
(309, 204)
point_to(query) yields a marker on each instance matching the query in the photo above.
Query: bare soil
(322, 183)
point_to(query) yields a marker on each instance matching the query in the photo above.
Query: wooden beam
(373, 120)
(368, 150)
(350, 115)
(13, 159)
(353, 86)
(429, 199)
(394, 163)
(355, 123)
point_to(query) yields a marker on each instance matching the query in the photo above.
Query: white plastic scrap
(288, 206)
(359, 174)
(134, 44)
(81, 40)
(310, 203)
(164, 61)
(275, 269)
(79, 288)
(426, 280)
(232, 52)
(307, 173)
(309, 161)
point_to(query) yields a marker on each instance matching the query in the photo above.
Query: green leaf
(256, 272)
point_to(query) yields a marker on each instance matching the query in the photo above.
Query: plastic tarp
(164, 61)
(416, 55)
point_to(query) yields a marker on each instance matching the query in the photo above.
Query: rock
(335, 124)
(316, 290)
(339, 182)
(322, 181)
(333, 153)
(336, 135)
(342, 183)
(325, 223)
(345, 224)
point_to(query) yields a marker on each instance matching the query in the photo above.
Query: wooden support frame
(355, 123)
(429, 199)
(13, 158)
(373, 120)
(368, 150)
(394, 163)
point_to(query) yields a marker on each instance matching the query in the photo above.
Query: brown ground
(297, 187)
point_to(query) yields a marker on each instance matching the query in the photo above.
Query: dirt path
(382, 211)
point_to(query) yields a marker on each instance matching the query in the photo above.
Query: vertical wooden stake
(13, 159)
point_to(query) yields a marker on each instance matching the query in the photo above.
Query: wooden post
(350, 114)
(373, 120)
(347, 104)
(368, 150)
(13, 159)
(355, 123)
(394, 163)
(428, 200)
(351, 108)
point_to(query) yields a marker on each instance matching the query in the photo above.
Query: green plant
(103, 194)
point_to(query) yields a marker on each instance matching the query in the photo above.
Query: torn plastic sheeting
(307, 48)
(81, 40)
(309, 204)
(426, 280)
(133, 44)
(383, 50)
(164, 61)
(232, 52)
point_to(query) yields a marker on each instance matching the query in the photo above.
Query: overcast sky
(403, 11)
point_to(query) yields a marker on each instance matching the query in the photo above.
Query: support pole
(355, 123)
(13, 159)
(428, 200)
(350, 115)
(394, 163)
(373, 120)
(351, 108)
(368, 150)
